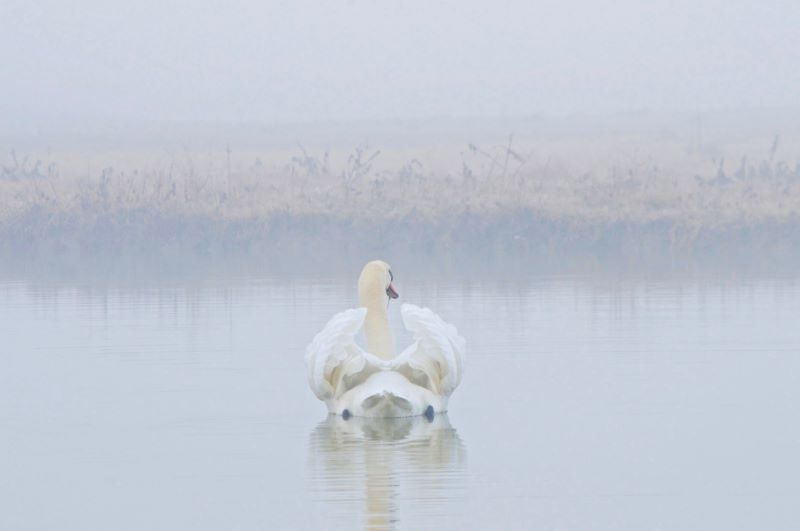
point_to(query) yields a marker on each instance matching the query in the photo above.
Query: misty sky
(166, 61)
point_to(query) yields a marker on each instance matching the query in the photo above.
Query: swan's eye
(391, 276)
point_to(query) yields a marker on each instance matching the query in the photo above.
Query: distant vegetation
(521, 193)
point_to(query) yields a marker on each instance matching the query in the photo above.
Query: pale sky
(167, 61)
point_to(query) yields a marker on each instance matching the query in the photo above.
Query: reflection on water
(587, 403)
(384, 463)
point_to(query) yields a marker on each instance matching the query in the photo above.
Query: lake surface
(587, 403)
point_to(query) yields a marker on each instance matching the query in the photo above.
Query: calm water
(587, 404)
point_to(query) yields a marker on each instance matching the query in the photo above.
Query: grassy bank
(586, 200)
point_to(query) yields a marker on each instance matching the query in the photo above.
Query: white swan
(352, 381)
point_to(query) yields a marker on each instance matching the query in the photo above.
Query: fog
(596, 206)
(643, 130)
(83, 65)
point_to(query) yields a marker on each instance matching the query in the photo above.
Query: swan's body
(378, 383)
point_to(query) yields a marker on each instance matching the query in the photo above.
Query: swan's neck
(376, 327)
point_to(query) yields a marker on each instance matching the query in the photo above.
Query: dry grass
(582, 182)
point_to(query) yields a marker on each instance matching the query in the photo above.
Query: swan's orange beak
(391, 292)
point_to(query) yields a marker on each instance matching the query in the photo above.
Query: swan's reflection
(379, 466)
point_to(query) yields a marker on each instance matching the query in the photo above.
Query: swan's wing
(333, 360)
(435, 360)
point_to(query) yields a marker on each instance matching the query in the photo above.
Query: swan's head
(376, 283)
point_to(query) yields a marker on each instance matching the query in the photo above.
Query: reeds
(580, 184)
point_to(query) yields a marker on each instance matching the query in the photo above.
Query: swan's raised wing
(333, 360)
(435, 360)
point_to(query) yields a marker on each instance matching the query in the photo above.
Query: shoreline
(514, 243)
(532, 202)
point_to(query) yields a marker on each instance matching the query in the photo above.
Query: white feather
(346, 376)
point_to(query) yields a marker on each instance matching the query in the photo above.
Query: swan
(376, 382)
